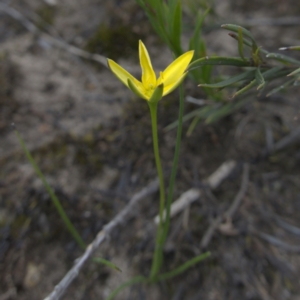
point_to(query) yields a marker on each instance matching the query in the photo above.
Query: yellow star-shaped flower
(168, 80)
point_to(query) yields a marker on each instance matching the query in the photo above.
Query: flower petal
(175, 70)
(123, 75)
(148, 74)
(171, 87)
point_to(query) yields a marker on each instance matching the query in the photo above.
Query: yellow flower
(168, 80)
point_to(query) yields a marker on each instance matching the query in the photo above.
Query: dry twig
(60, 289)
(191, 195)
(230, 212)
(276, 242)
(290, 139)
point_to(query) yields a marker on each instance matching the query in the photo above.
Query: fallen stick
(191, 195)
(276, 242)
(290, 139)
(230, 212)
(62, 286)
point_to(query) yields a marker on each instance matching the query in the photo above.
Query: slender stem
(157, 256)
(174, 167)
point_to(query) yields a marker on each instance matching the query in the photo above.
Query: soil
(92, 140)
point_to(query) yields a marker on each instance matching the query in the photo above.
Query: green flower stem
(50, 191)
(174, 166)
(157, 256)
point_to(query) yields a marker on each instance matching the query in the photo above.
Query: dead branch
(292, 138)
(62, 286)
(191, 195)
(276, 242)
(230, 212)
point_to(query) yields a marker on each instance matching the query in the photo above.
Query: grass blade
(134, 280)
(52, 195)
(281, 87)
(231, 80)
(106, 263)
(184, 267)
(283, 58)
(236, 28)
(259, 79)
(219, 61)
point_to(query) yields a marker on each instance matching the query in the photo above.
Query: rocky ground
(92, 139)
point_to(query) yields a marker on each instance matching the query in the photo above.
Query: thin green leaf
(283, 58)
(193, 125)
(294, 72)
(106, 263)
(259, 79)
(184, 266)
(201, 112)
(281, 87)
(274, 73)
(241, 43)
(247, 42)
(232, 80)
(297, 48)
(155, 12)
(235, 28)
(244, 89)
(268, 75)
(236, 37)
(219, 60)
(51, 193)
(176, 28)
(134, 280)
(226, 110)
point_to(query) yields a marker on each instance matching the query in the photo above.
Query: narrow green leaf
(106, 263)
(232, 80)
(294, 72)
(219, 60)
(235, 28)
(134, 280)
(244, 89)
(193, 125)
(281, 87)
(184, 266)
(196, 38)
(236, 37)
(297, 48)
(259, 79)
(274, 73)
(226, 110)
(241, 43)
(201, 112)
(51, 193)
(176, 28)
(283, 58)
(247, 43)
(155, 12)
